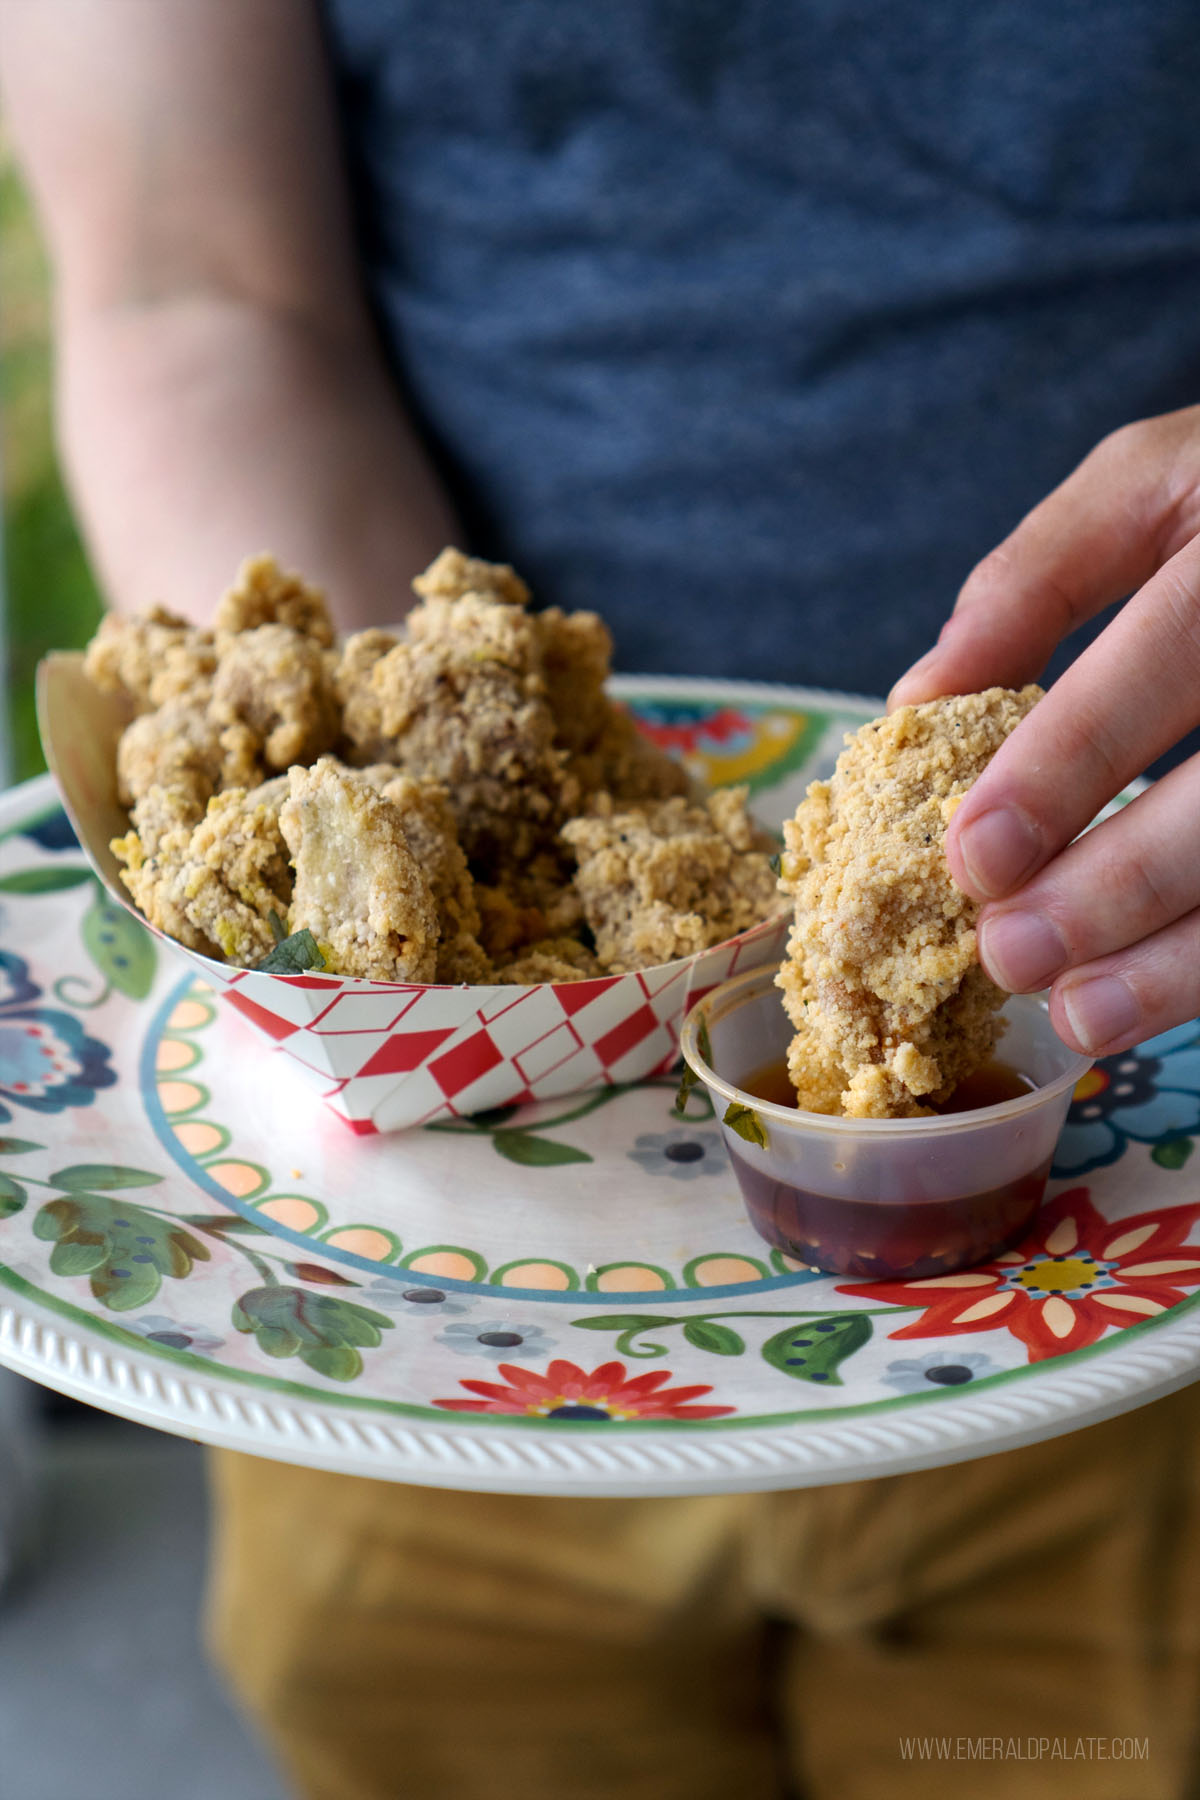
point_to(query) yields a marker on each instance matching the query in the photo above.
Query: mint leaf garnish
(689, 1079)
(293, 955)
(746, 1122)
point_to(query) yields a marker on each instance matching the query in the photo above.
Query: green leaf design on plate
(124, 1249)
(121, 949)
(15, 1146)
(706, 1334)
(813, 1349)
(322, 1277)
(323, 1331)
(536, 1152)
(630, 1326)
(43, 881)
(622, 1322)
(1173, 1152)
(221, 1222)
(746, 1122)
(12, 1196)
(102, 1177)
(75, 1259)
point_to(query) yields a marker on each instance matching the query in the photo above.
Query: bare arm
(220, 389)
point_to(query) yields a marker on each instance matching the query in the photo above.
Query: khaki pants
(399, 1641)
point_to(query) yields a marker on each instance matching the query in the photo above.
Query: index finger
(1131, 695)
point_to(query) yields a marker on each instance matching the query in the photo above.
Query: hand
(1112, 920)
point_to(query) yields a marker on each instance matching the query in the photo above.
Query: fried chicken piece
(606, 749)
(666, 879)
(576, 656)
(545, 887)
(882, 979)
(551, 959)
(541, 901)
(462, 701)
(359, 888)
(362, 708)
(623, 762)
(212, 884)
(182, 747)
(265, 594)
(428, 822)
(505, 928)
(280, 683)
(451, 575)
(150, 659)
(159, 812)
(506, 709)
(155, 854)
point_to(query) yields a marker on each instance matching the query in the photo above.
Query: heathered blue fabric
(753, 326)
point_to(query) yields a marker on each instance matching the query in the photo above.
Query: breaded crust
(882, 979)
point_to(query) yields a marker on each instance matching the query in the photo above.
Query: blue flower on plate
(682, 1153)
(414, 1300)
(938, 1368)
(1145, 1094)
(174, 1334)
(47, 1061)
(52, 832)
(500, 1339)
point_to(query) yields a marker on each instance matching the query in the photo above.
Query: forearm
(202, 429)
(220, 390)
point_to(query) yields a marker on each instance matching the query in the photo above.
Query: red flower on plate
(568, 1392)
(1076, 1274)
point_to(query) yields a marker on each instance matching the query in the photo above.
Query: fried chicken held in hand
(883, 982)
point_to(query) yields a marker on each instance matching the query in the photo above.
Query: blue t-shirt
(754, 325)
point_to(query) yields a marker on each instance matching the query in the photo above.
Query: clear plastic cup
(881, 1199)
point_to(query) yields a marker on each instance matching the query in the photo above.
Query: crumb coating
(882, 978)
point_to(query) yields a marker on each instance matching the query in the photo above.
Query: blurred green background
(51, 600)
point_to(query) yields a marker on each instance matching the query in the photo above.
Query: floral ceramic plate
(564, 1298)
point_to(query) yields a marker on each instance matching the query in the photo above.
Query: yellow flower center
(1094, 1082)
(542, 1409)
(1072, 1272)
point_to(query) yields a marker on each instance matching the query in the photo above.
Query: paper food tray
(388, 1055)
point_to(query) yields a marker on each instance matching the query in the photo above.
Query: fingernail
(1099, 1011)
(998, 850)
(910, 682)
(1021, 951)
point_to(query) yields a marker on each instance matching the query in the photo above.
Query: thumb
(1117, 518)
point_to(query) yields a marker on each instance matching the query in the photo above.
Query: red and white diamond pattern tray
(387, 1056)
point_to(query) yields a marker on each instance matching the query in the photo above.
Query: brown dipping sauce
(876, 1240)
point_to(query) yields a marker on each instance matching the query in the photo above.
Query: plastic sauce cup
(881, 1199)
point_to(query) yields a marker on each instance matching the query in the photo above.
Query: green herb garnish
(746, 1122)
(776, 863)
(689, 1079)
(293, 955)
(278, 928)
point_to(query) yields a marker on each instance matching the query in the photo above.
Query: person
(697, 313)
